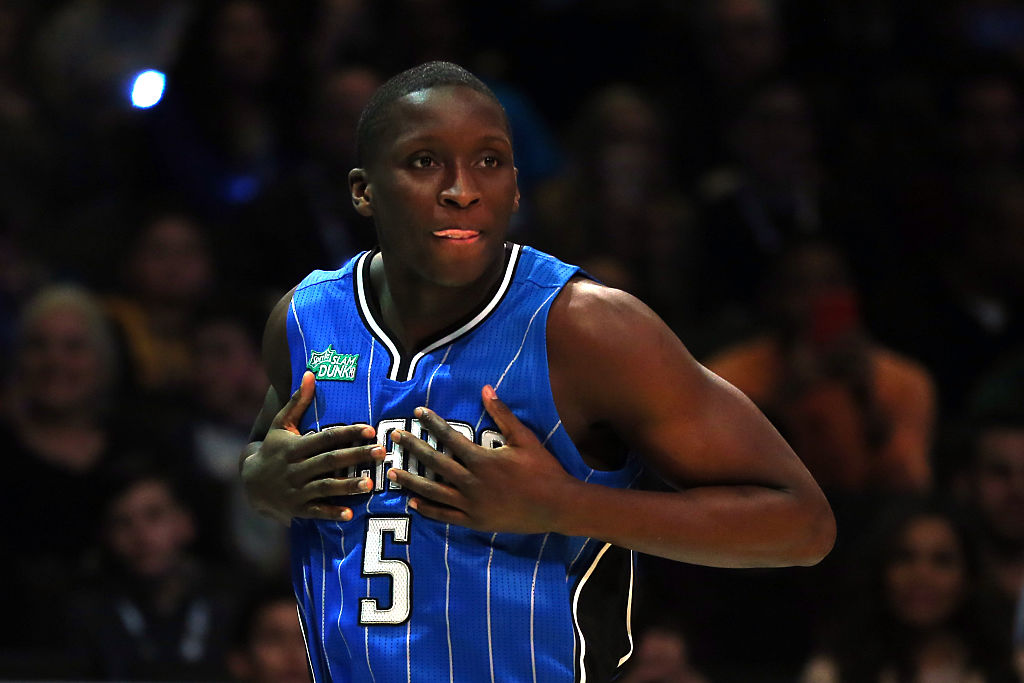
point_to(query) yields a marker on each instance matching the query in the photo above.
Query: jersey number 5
(375, 564)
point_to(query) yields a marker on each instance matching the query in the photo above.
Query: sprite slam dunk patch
(330, 364)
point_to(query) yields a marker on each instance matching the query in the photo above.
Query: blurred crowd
(825, 199)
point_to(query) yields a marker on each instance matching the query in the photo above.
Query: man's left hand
(516, 488)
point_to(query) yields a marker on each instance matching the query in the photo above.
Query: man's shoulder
(320, 277)
(603, 324)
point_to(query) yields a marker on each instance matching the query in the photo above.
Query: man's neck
(415, 310)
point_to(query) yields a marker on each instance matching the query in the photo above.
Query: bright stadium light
(148, 88)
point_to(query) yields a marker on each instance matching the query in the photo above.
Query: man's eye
(491, 161)
(423, 161)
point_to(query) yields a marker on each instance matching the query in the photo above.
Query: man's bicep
(688, 425)
(703, 431)
(272, 405)
(276, 358)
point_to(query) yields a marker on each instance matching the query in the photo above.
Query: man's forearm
(722, 526)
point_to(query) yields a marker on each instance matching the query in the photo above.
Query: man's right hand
(291, 475)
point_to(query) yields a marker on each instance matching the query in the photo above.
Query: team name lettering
(395, 455)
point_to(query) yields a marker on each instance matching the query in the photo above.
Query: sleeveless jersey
(393, 596)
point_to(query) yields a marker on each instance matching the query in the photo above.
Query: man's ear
(515, 202)
(362, 194)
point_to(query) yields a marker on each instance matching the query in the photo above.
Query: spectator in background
(968, 313)
(774, 190)
(619, 212)
(28, 153)
(919, 612)
(859, 415)
(661, 657)
(991, 484)
(268, 646)
(218, 137)
(990, 123)
(981, 138)
(155, 613)
(1001, 391)
(340, 32)
(228, 383)
(313, 205)
(168, 274)
(60, 431)
(740, 43)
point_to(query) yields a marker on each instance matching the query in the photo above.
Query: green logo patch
(331, 365)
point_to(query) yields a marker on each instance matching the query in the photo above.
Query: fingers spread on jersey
(330, 439)
(441, 513)
(326, 488)
(333, 461)
(435, 491)
(449, 468)
(291, 412)
(507, 422)
(334, 512)
(458, 444)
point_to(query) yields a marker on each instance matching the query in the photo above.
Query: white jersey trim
(389, 343)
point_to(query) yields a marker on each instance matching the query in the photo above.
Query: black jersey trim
(604, 641)
(402, 367)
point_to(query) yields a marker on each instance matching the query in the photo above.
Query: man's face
(999, 482)
(147, 529)
(441, 185)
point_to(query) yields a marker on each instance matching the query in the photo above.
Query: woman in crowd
(920, 614)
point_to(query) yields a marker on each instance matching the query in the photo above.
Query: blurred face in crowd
(775, 140)
(62, 367)
(998, 482)
(747, 41)
(991, 126)
(171, 263)
(925, 579)
(228, 373)
(342, 97)
(244, 43)
(627, 145)
(814, 295)
(147, 529)
(660, 656)
(276, 652)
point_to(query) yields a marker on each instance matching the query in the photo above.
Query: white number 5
(374, 564)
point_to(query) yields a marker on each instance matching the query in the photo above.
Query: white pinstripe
(369, 400)
(447, 594)
(408, 623)
(519, 351)
(533, 593)
(305, 358)
(323, 601)
(552, 433)
(568, 572)
(426, 401)
(341, 592)
(490, 646)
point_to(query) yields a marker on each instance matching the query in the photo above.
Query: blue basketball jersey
(393, 596)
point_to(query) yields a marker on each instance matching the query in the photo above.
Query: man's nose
(460, 190)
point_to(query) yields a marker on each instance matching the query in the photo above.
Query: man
(482, 538)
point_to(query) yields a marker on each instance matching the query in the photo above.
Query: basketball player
(441, 533)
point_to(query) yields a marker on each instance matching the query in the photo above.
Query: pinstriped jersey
(393, 596)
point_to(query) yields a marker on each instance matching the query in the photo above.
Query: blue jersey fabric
(393, 596)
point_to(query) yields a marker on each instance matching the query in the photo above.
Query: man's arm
(287, 474)
(743, 498)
